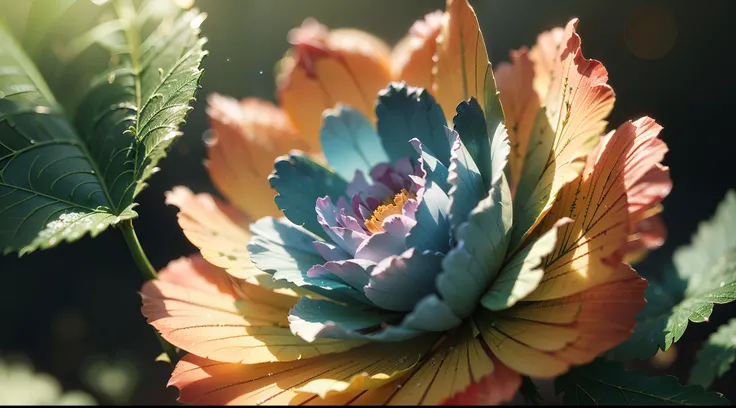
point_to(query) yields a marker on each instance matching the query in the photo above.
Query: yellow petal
(452, 373)
(598, 202)
(193, 306)
(577, 102)
(581, 328)
(326, 67)
(462, 69)
(412, 58)
(204, 381)
(247, 136)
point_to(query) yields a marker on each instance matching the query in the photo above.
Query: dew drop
(227, 59)
(260, 72)
(398, 386)
(208, 137)
(111, 78)
(161, 72)
(722, 284)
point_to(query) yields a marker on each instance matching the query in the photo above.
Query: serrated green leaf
(714, 238)
(58, 182)
(607, 383)
(705, 275)
(716, 357)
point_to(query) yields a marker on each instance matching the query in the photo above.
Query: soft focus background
(74, 311)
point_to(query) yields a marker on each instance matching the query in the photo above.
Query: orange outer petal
(412, 58)
(347, 374)
(598, 202)
(577, 102)
(603, 317)
(324, 68)
(247, 136)
(498, 387)
(462, 60)
(520, 107)
(195, 308)
(446, 372)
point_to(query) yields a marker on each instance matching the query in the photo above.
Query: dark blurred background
(75, 311)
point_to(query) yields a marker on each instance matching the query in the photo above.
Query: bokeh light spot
(651, 31)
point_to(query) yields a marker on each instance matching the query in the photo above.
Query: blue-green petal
(312, 318)
(470, 123)
(299, 182)
(404, 113)
(521, 274)
(349, 142)
(432, 231)
(431, 314)
(285, 250)
(482, 242)
(467, 183)
(399, 282)
(435, 170)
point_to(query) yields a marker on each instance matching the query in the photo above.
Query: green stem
(139, 256)
(144, 265)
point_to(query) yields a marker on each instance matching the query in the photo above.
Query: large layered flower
(427, 260)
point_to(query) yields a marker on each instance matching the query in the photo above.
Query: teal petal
(406, 113)
(466, 181)
(434, 169)
(285, 250)
(349, 142)
(500, 149)
(482, 242)
(521, 274)
(432, 231)
(354, 272)
(311, 319)
(299, 182)
(400, 282)
(496, 129)
(431, 314)
(470, 123)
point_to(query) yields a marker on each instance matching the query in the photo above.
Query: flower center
(389, 207)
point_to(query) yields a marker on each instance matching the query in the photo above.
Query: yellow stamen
(389, 207)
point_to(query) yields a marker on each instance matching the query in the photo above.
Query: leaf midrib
(32, 74)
